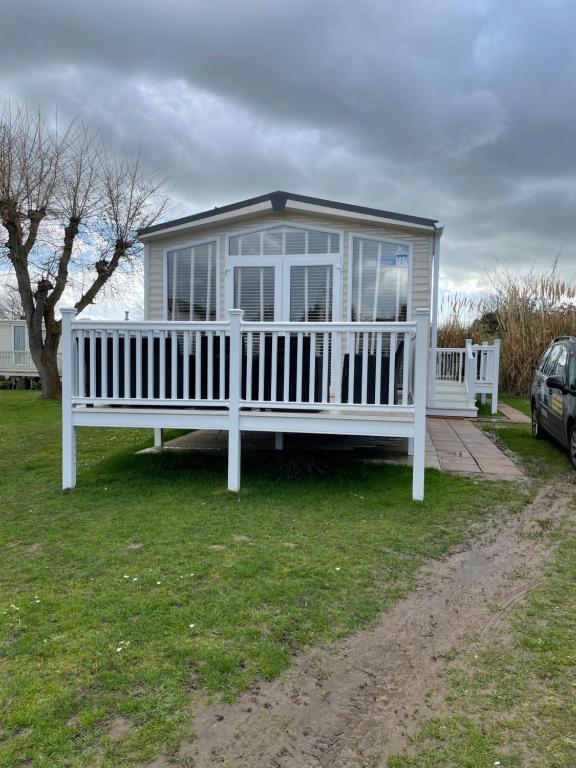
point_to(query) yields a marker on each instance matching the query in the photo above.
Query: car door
(556, 397)
(544, 392)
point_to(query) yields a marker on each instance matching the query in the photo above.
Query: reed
(524, 310)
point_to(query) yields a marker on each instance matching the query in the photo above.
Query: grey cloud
(463, 109)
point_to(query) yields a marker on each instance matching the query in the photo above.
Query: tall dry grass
(525, 311)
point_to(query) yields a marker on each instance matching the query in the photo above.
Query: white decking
(461, 374)
(319, 378)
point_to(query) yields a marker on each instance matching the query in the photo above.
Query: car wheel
(536, 428)
(572, 444)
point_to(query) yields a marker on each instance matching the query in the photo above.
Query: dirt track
(362, 697)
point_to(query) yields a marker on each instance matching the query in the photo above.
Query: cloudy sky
(461, 110)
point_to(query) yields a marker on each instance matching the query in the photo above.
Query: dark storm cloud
(461, 110)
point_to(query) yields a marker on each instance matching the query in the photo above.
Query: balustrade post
(421, 368)
(69, 365)
(495, 375)
(235, 392)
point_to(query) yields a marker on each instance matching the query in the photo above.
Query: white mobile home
(281, 313)
(15, 357)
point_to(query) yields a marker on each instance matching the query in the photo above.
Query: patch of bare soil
(363, 697)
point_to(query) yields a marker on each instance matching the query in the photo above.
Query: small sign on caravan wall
(402, 256)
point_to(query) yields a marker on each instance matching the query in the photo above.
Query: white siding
(422, 243)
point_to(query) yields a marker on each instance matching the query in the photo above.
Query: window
(543, 359)
(192, 283)
(550, 361)
(571, 382)
(379, 280)
(561, 363)
(19, 338)
(311, 293)
(254, 292)
(284, 241)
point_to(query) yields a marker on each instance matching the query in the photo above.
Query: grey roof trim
(278, 202)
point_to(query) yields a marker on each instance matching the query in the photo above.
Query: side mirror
(555, 382)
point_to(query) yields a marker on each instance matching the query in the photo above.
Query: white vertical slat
(299, 367)
(174, 365)
(286, 390)
(92, 364)
(222, 366)
(150, 391)
(378, 376)
(104, 364)
(198, 366)
(365, 342)
(186, 365)
(139, 364)
(336, 367)
(392, 371)
(126, 365)
(312, 372)
(210, 341)
(249, 345)
(406, 363)
(81, 363)
(325, 365)
(115, 365)
(274, 369)
(162, 356)
(261, 364)
(351, 365)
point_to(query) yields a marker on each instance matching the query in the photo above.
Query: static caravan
(15, 357)
(281, 313)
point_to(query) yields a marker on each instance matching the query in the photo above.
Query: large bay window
(192, 282)
(379, 290)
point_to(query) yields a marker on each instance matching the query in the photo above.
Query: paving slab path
(513, 414)
(463, 448)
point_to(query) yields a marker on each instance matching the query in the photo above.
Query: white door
(19, 344)
(289, 288)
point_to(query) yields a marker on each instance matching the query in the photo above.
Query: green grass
(520, 402)
(150, 586)
(516, 706)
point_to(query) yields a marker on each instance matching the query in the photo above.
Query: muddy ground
(360, 699)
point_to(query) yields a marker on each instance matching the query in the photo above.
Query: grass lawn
(516, 706)
(150, 585)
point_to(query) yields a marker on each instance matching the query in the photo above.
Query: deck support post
(279, 441)
(495, 375)
(68, 428)
(158, 437)
(420, 403)
(410, 448)
(234, 438)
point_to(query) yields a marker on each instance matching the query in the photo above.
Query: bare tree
(10, 304)
(71, 212)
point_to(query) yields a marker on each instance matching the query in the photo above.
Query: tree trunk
(44, 351)
(50, 380)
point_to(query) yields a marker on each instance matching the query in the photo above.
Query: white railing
(450, 364)
(12, 359)
(338, 378)
(320, 366)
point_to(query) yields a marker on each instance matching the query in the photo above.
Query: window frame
(26, 346)
(379, 239)
(179, 247)
(283, 263)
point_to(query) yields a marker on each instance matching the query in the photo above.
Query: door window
(311, 290)
(550, 361)
(254, 292)
(561, 364)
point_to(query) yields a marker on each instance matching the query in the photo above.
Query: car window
(561, 363)
(543, 359)
(550, 361)
(572, 371)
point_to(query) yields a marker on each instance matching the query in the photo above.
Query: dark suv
(554, 394)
